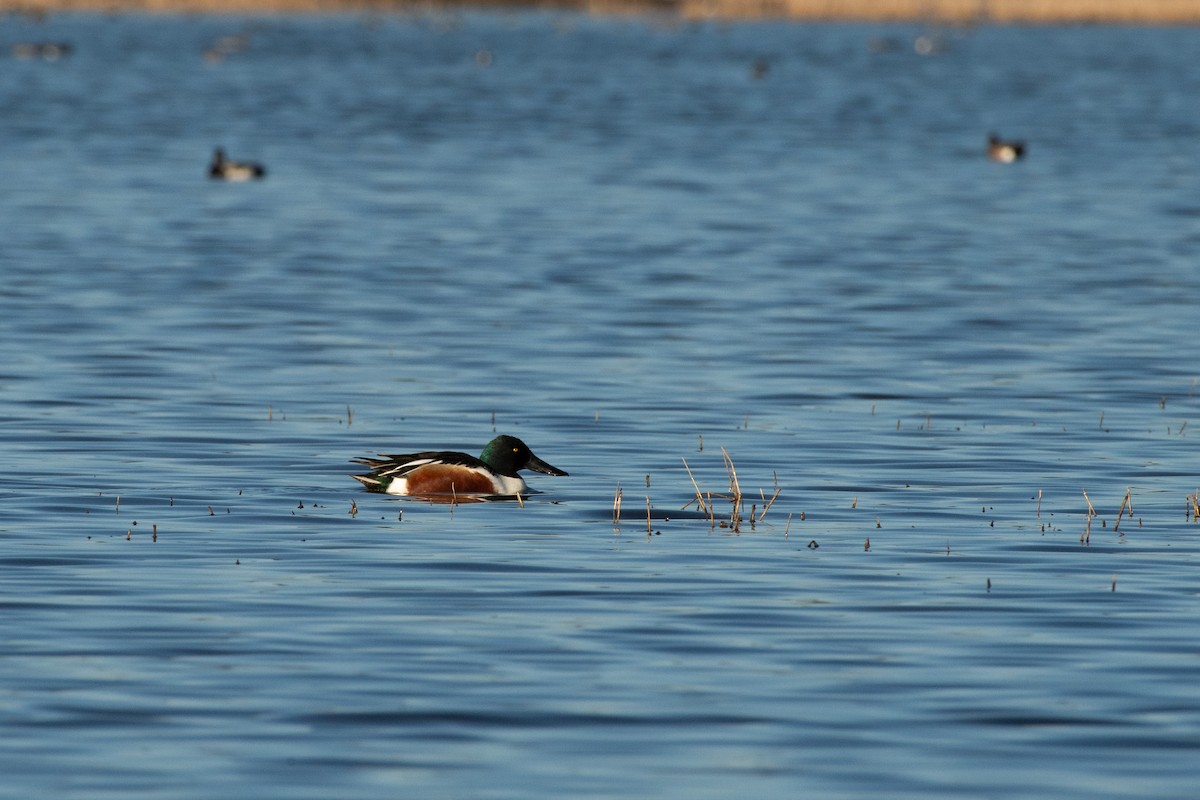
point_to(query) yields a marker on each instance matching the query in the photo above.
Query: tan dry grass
(952, 11)
(205, 6)
(958, 11)
(949, 11)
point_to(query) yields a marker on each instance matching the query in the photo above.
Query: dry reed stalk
(699, 496)
(1039, 505)
(770, 503)
(349, 416)
(520, 500)
(735, 487)
(617, 506)
(649, 529)
(1128, 501)
(353, 508)
(1086, 536)
(787, 527)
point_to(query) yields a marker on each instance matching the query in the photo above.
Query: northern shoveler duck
(222, 168)
(448, 473)
(1004, 152)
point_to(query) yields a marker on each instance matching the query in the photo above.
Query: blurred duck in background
(223, 169)
(47, 51)
(1003, 151)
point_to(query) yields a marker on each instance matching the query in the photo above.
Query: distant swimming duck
(226, 45)
(223, 169)
(450, 474)
(1004, 152)
(47, 51)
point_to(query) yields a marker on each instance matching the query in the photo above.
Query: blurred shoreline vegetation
(1148, 12)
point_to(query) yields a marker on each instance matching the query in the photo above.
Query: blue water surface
(621, 241)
